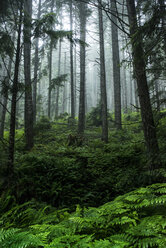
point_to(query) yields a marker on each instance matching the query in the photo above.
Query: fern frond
(15, 238)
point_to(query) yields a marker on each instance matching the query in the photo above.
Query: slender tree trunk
(143, 91)
(50, 78)
(3, 114)
(39, 93)
(58, 87)
(75, 71)
(163, 18)
(64, 88)
(103, 79)
(157, 95)
(27, 74)
(71, 65)
(116, 67)
(75, 80)
(36, 68)
(10, 165)
(81, 118)
(124, 84)
(5, 99)
(50, 70)
(136, 95)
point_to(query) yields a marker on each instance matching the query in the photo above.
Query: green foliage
(43, 124)
(59, 34)
(94, 117)
(136, 219)
(57, 173)
(43, 24)
(15, 238)
(58, 81)
(6, 44)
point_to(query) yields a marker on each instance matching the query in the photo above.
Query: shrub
(43, 125)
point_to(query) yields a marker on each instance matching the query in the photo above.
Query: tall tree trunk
(143, 91)
(27, 75)
(124, 83)
(103, 78)
(163, 18)
(10, 165)
(64, 88)
(50, 78)
(157, 95)
(75, 81)
(5, 99)
(58, 87)
(36, 68)
(50, 69)
(71, 65)
(116, 67)
(81, 117)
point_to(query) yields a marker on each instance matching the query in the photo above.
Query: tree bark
(50, 70)
(36, 68)
(103, 79)
(71, 65)
(5, 99)
(143, 91)
(58, 87)
(10, 165)
(116, 67)
(64, 89)
(27, 75)
(163, 18)
(81, 117)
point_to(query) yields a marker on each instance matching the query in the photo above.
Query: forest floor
(71, 191)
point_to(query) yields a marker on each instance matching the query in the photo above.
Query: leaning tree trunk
(71, 65)
(103, 79)
(27, 75)
(116, 66)
(143, 91)
(10, 165)
(36, 68)
(81, 115)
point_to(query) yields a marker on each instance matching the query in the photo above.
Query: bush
(94, 117)
(43, 125)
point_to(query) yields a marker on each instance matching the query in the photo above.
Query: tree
(71, 64)
(83, 18)
(163, 18)
(103, 78)
(27, 74)
(36, 68)
(58, 86)
(10, 165)
(50, 68)
(6, 83)
(116, 66)
(143, 91)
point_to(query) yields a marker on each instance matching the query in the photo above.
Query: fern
(133, 220)
(15, 238)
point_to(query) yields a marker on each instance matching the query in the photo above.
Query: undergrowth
(58, 175)
(136, 219)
